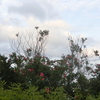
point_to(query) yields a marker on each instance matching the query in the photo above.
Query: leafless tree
(31, 43)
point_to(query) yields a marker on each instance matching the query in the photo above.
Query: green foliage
(16, 93)
(6, 72)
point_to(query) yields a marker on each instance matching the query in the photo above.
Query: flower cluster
(41, 74)
(48, 90)
(30, 69)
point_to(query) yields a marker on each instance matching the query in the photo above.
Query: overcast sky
(60, 17)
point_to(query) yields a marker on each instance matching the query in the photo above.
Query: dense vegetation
(35, 76)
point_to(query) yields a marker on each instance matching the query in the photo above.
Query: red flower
(55, 61)
(65, 61)
(32, 60)
(94, 72)
(41, 74)
(44, 57)
(30, 69)
(20, 70)
(98, 69)
(42, 78)
(25, 58)
(86, 55)
(64, 75)
(68, 64)
(37, 56)
(48, 89)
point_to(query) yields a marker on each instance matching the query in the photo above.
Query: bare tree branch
(36, 41)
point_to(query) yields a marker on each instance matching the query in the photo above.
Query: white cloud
(0, 2)
(75, 5)
(57, 39)
(40, 10)
(57, 16)
(28, 9)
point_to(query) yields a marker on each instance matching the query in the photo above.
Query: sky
(60, 17)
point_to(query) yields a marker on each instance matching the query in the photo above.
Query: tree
(95, 81)
(30, 44)
(71, 71)
(7, 72)
(76, 66)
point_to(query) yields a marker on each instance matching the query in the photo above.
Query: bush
(32, 93)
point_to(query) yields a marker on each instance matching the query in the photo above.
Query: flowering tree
(74, 67)
(41, 71)
(70, 72)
